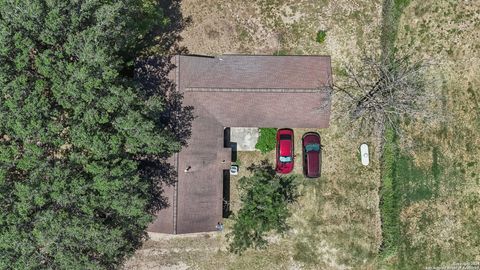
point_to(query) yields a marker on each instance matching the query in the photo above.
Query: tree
(384, 89)
(83, 142)
(265, 197)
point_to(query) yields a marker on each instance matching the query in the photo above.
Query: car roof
(313, 164)
(285, 147)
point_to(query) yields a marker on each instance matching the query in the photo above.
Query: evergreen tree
(265, 197)
(82, 146)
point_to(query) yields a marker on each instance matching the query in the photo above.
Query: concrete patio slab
(245, 138)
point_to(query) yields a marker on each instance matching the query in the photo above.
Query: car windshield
(285, 159)
(312, 147)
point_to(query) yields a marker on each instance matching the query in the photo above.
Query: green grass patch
(305, 252)
(416, 184)
(321, 36)
(267, 140)
(392, 11)
(281, 52)
(389, 200)
(404, 183)
(390, 197)
(340, 71)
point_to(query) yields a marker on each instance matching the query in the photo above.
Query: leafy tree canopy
(82, 142)
(265, 197)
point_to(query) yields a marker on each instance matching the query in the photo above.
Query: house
(235, 91)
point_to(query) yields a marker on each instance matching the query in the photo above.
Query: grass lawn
(431, 177)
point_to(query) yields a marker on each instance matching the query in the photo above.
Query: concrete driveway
(245, 138)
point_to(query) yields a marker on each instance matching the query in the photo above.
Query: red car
(285, 151)
(311, 154)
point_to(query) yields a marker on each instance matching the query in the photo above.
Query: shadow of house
(228, 143)
(226, 194)
(235, 91)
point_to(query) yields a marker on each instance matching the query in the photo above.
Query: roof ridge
(260, 90)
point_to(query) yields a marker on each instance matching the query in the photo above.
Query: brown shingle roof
(253, 72)
(263, 109)
(236, 91)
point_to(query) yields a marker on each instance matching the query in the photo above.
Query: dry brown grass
(287, 26)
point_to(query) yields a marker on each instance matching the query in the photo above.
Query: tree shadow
(160, 27)
(158, 172)
(152, 79)
(263, 167)
(151, 76)
(169, 36)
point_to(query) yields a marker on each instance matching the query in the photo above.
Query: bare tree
(384, 89)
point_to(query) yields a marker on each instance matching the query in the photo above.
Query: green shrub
(321, 35)
(266, 140)
(264, 197)
(281, 52)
